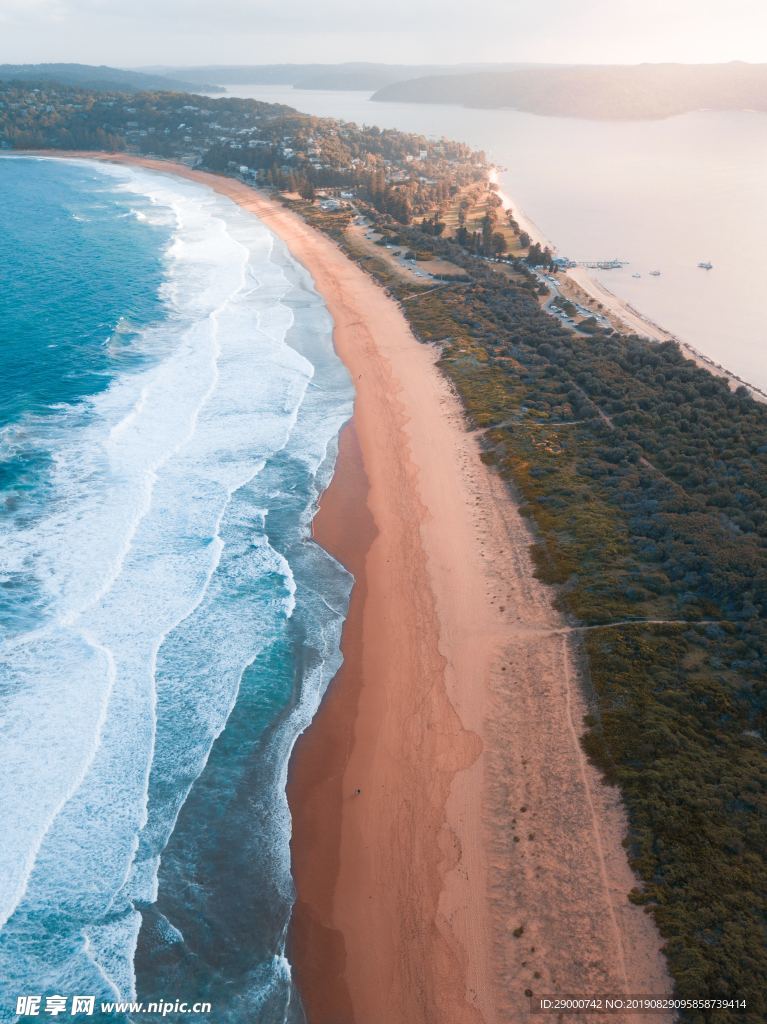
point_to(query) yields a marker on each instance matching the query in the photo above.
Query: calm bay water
(664, 195)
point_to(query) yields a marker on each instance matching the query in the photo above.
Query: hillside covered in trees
(641, 91)
(100, 78)
(270, 144)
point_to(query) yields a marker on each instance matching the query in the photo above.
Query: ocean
(662, 195)
(169, 415)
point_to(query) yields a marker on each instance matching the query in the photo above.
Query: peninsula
(558, 541)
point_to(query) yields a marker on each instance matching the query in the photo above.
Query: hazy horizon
(189, 32)
(179, 66)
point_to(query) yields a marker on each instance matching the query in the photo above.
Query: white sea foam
(142, 590)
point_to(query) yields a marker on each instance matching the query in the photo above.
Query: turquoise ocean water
(170, 403)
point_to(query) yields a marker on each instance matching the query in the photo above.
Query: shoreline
(623, 315)
(483, 857)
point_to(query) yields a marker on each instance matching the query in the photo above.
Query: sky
(135, 33)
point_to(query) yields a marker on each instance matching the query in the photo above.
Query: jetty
(613, 264)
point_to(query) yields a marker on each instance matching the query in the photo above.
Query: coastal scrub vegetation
(643, 476)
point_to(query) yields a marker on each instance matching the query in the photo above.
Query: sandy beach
(453, 850)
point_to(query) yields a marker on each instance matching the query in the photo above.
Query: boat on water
(636, 275)
(705, 265)
(655, 273)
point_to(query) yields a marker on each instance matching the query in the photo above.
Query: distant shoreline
(604, 92)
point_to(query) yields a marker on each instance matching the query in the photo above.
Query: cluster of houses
(248, 138)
